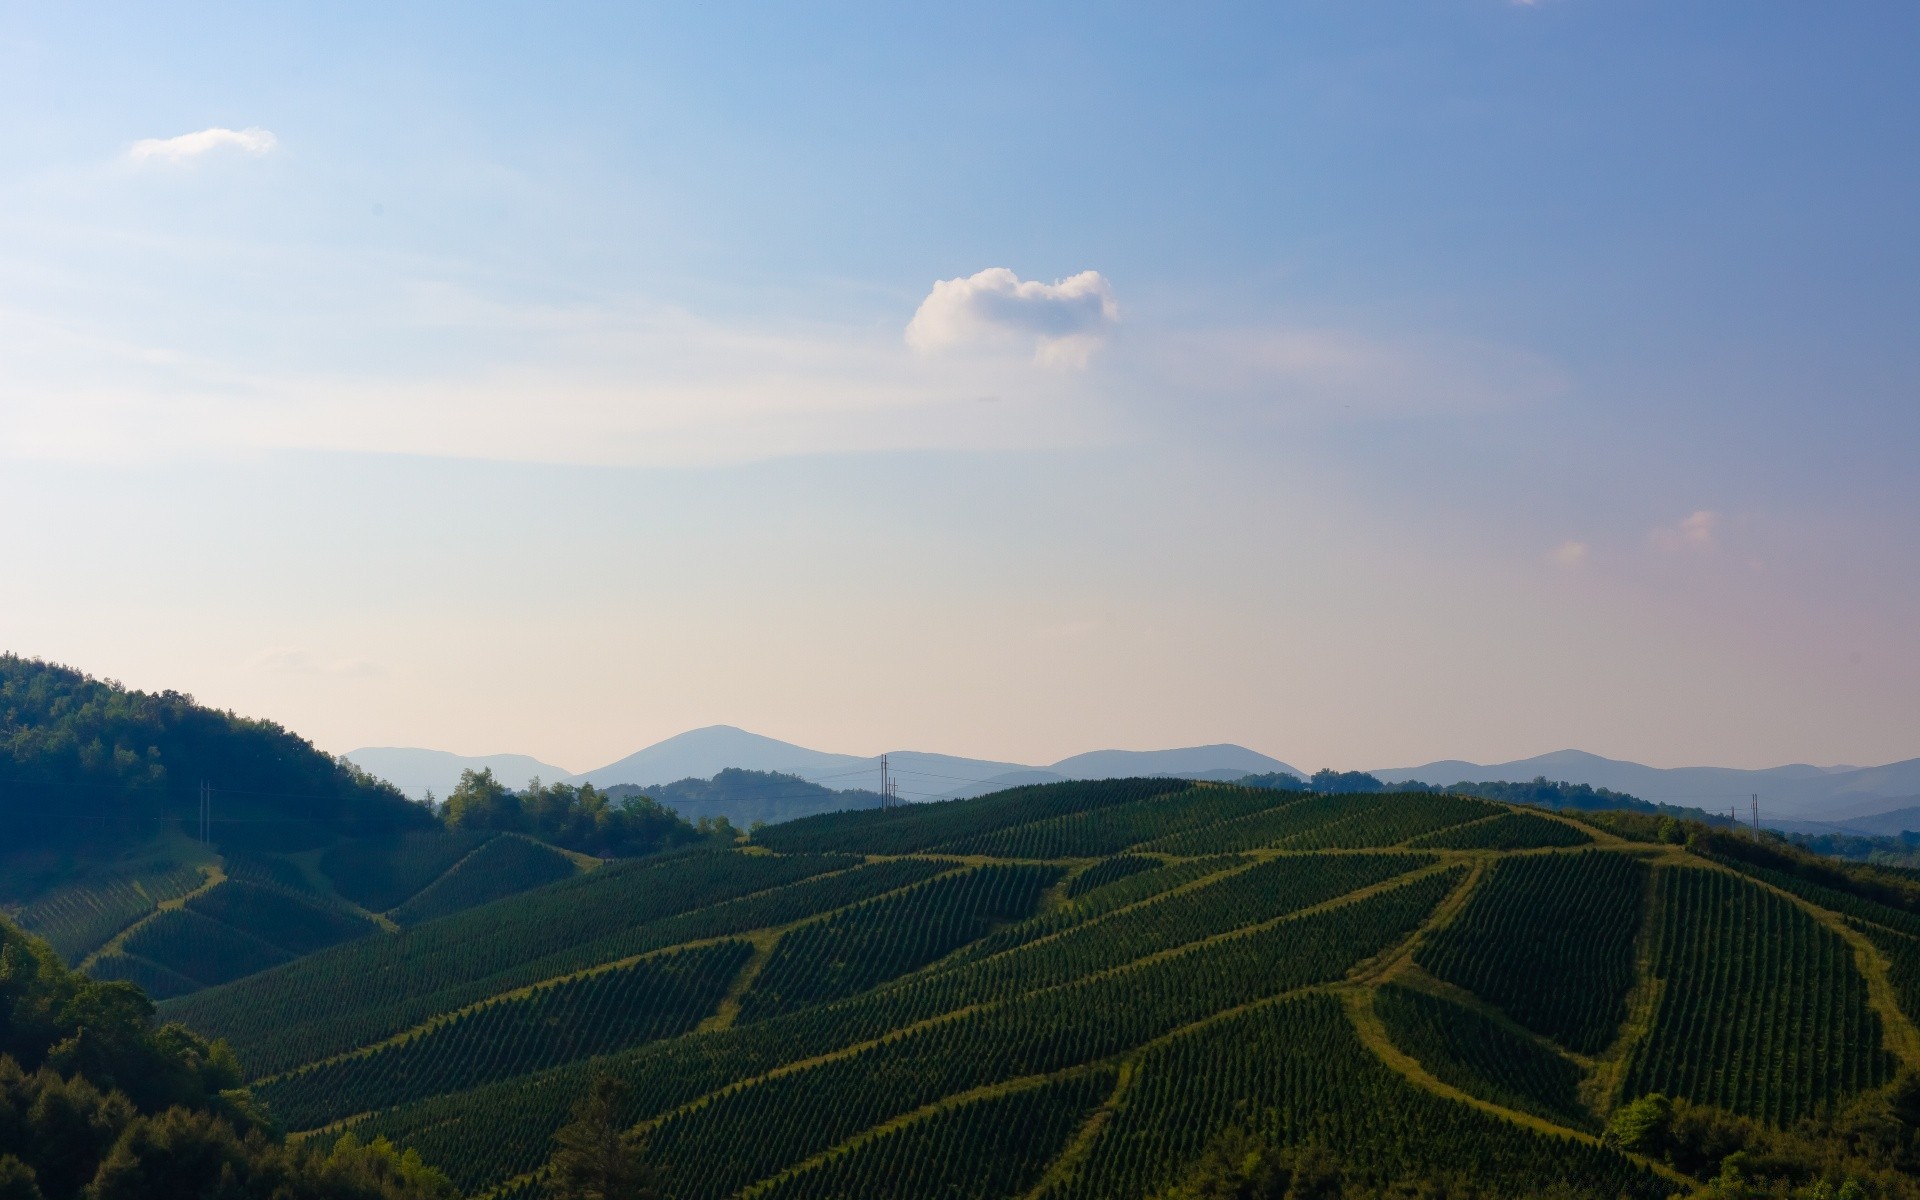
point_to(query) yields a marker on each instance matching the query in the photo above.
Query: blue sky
(1364, 384)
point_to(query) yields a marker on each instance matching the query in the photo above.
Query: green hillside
(1135, 988)
(87, 763)
(113, 861)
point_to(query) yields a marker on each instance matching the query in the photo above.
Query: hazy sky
(1364, 383)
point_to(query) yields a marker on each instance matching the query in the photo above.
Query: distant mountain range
(1793, 796)
(703, 753)
(1799, 796)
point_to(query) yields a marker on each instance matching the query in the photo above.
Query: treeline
(85, 761)
(1902, 852)
(1539, 791)
(747, 797)
(582, 818)
(1870, 1148)
(1771, 851)
(96, 1102)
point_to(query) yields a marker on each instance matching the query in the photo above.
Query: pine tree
(595, 1157)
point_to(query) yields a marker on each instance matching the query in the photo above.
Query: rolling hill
(1095, 989)
(1141, 987)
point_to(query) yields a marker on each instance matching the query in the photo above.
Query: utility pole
(886, 788)
(1756, 814)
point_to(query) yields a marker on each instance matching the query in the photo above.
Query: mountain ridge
(1802, 791)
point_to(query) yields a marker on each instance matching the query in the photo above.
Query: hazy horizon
(1361, 385)
(1269, 751)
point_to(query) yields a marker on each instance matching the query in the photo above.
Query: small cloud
(1695, 532)
(1063, 322)
(1570, 554)
(187, 146)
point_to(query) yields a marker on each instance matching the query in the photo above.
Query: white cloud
(1696, 531)
(1570, 554)
(186, 146)
(1062, 322)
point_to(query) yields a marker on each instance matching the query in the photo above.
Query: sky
(1364, 384)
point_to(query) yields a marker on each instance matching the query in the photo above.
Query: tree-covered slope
(85, 761)
(97, 1103)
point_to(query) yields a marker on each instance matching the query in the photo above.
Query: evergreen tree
(596, 1157)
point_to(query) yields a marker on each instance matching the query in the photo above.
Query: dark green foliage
(1109, 870)
(381, 873)
(913, 1030)
(860, 947)
(1115, 827)
(1646, 828)
(922, 826)
(150, 977)
(1871, 1150)
(744, 797)
(202, 949)
(1548, 938)
(1394, 820)
(302, 1012)
(595, 1156)
(1902, 953)
(1542, 792)
(580, 818)
(1834, 899)
(1100, 900)
(505, 866)
(1900, 854)
(81, 917)
(1508, 831)
(1295, 1072)
(748, 1134)
(1885, 886)
(1482, 1057)
(1274, 781)
(561, 1022)
(1238, 1166)
(80, 1063)
(1261, 892)
(183, 1155)
(271, 870)
(18, 1181)
(1761, 1011)
(296, 925)
(86, 762)
(1267, 828)
(997, 1146)
(1328, 782)
(492, 1134)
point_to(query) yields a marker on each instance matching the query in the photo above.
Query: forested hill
(97, 1103)
(87, 762)
(1136, 990)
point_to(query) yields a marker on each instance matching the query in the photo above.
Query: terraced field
(1063, 992)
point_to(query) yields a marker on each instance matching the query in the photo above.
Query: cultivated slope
(1075, 990)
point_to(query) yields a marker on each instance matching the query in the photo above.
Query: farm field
(1069, 991)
